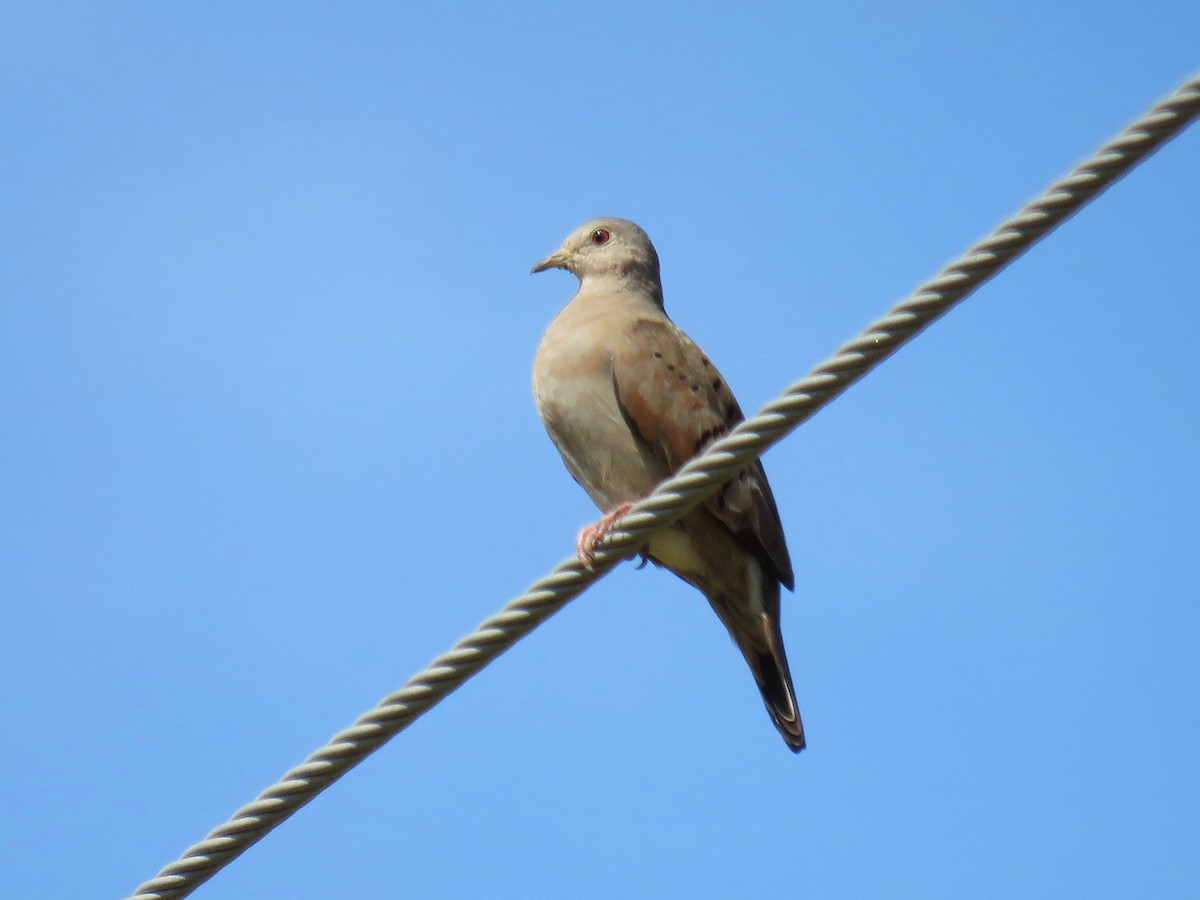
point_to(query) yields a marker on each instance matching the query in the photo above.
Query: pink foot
(591, 535)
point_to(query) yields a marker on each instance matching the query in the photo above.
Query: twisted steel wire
(676, 496)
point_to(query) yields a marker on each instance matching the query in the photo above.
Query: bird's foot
(591, 535)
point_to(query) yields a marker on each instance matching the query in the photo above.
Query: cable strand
(676, 496)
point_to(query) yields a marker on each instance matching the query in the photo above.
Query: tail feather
(744, 593)
(754, 627)
(775, 682)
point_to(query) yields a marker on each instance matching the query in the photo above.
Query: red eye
(600, 236)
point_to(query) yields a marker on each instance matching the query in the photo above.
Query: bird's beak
(556, 260)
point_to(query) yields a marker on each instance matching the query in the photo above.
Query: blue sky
(267, 446)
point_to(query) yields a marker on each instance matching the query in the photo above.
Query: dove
(627, 398)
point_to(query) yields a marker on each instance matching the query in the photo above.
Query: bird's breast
(577, 401)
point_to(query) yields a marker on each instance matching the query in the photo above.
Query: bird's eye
(600, 236)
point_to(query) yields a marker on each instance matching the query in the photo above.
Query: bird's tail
(755, 630)
(775, 681)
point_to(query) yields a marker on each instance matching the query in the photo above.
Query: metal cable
(676, 496)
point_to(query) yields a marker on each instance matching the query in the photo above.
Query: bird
(627, 398)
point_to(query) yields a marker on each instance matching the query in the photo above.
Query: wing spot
(704, 361)
(658, 356)
(670, 368)
(695, 388)
(716, 384)
(708, 437)
(682, 377)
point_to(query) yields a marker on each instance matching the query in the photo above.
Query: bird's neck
(629, 281)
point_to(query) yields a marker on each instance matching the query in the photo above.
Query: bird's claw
(591, 535)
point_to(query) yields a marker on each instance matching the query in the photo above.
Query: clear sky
(267, 446)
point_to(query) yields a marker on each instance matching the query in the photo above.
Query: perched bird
(628, 398)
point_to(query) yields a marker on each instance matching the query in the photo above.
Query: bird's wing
(677, 402)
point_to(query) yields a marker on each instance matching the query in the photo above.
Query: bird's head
(603, 248)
